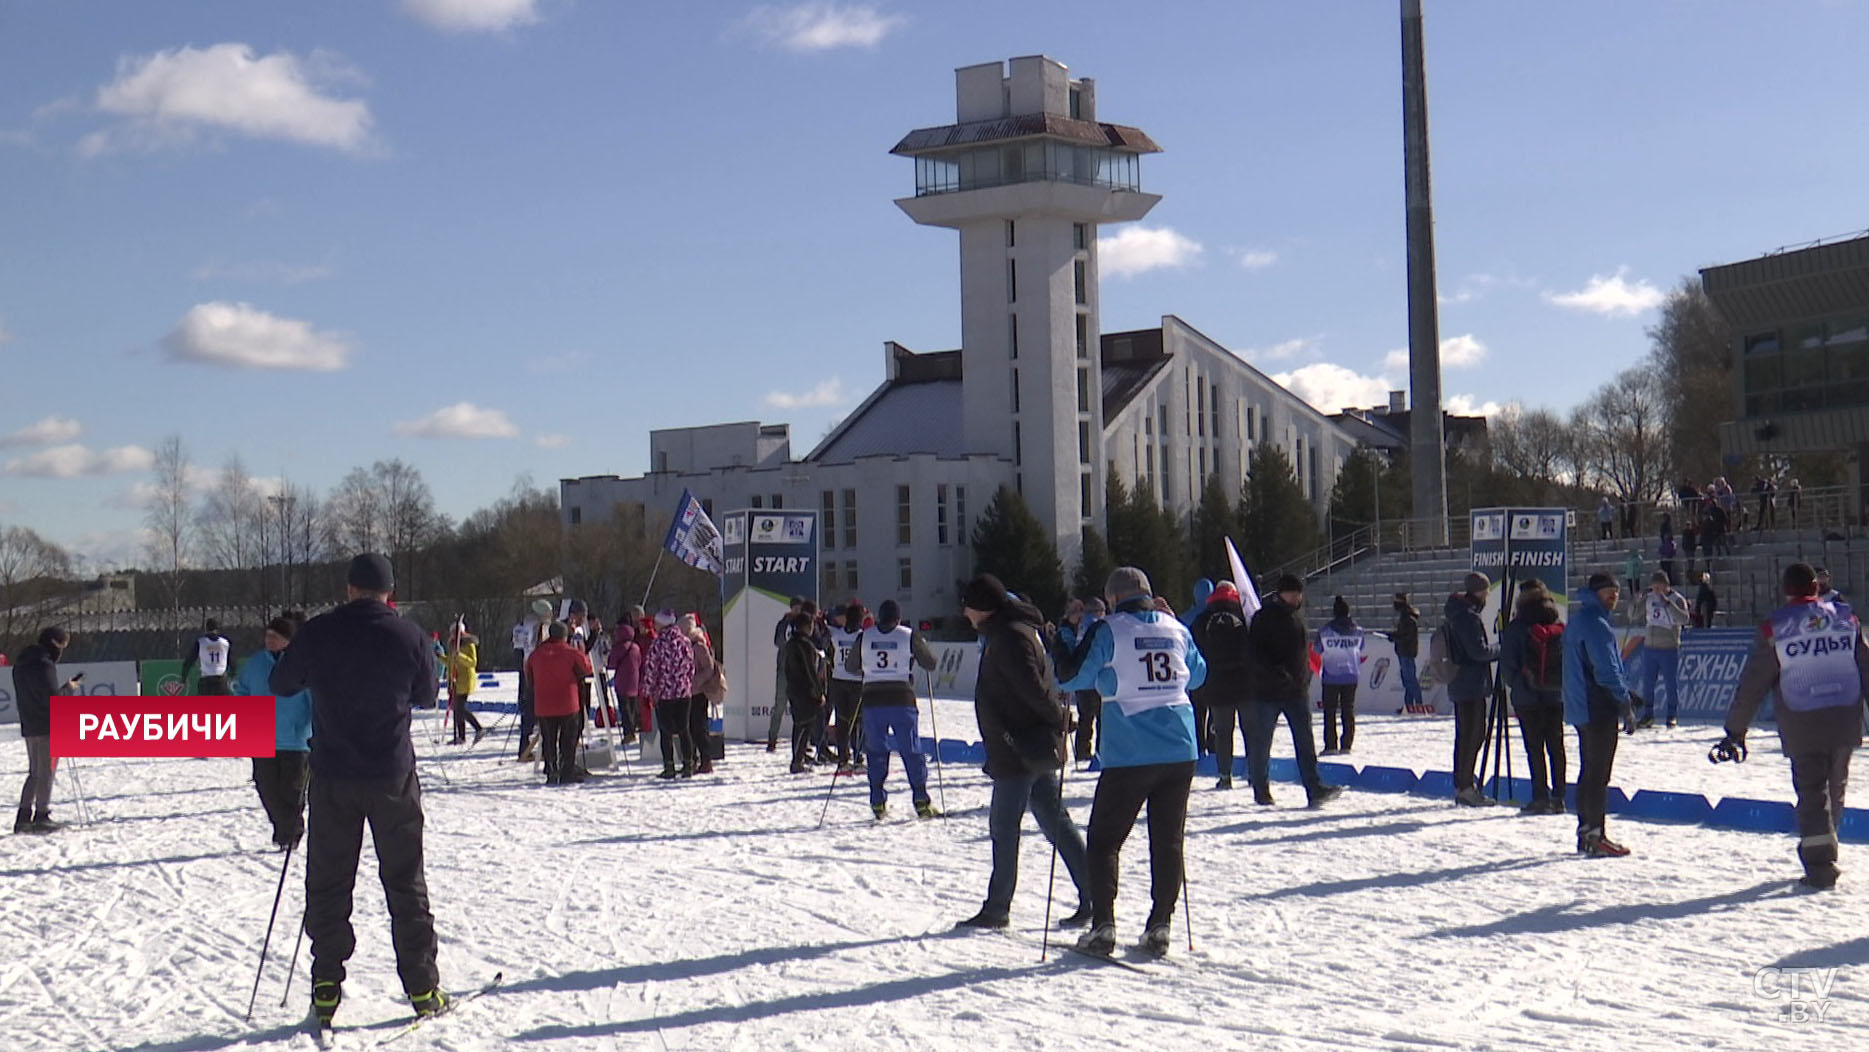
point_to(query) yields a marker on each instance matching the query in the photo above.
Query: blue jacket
(1472, 655)
(294, 726)
(1593, 677)
(1203, 588)
(1160, 735)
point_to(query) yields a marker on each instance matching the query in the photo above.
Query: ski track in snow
(631, 913)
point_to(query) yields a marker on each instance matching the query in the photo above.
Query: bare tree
(410, 521)
(233, 524)
(1693, 360)
(354, 513)
(1535, 445)
(29, 567)
(1622, 431)
(171, 524)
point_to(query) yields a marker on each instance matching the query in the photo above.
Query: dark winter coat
(1471, 654)
(802, 665)
(365, 666)
(1281, 653)
(1407, 635)
(35, 681)
(1515, 653)
(1015, 694)
(1230, 668)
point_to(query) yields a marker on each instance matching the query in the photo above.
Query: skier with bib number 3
(885, 654)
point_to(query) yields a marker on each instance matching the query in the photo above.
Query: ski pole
(934, 724)
(267, 943)
(1187, 905)
(1051, 876)
(838, 773)
(294, 965)
(77, 784)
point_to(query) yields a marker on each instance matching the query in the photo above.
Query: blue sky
(496, 237)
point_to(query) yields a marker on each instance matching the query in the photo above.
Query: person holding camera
(1021, 723)
(35, 681)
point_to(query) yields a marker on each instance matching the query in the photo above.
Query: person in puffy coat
(625, 664)
(1531, 665)
(668, 680)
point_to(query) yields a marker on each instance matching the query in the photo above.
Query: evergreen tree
(1366, 476)
(1094, 565)
(1148, 537)
(1276, 521)
(1011, 544)
(1214, 521)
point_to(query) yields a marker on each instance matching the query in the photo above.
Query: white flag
(1249, 592)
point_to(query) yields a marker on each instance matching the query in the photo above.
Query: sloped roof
(900, 419)
(1124, 381)
(1792, 285)
(1026, 126)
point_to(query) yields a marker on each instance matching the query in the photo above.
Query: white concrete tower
(1027, 174)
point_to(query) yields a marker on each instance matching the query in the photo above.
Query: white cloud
(111, 549)
(460, 420)
(551, 441)
(1257, 258)
(827, 393)
(819, 26)
(264, 270)
(1284, 350)
(72, 461)
(170, 97)
(1467, 405)
(1611, 296)
(46, 432)
(1330, 387)
(1457, 352)
(244, 337)
(474, 16)
(1136, 249)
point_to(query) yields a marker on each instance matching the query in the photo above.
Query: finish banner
(180, 727)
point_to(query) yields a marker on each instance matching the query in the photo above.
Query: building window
(577, 515)
(661, 460)
(1015, 390)
(1083, 389)
(1012, 281)
(1083, 495)
(1162, 427)
(1012, 233)
(828, 584)
(960, 514)
(850, 523)
(904, 513)
(830, 519)
(941, 514)
(778, 501)
(1077, 104)
(1081, 278)
(1083, 335)
(905, 579)
(758, 501)
(1083, 441)
(1202, 479)
(1012, 335)
(1018, 447)
(1080, 236)
(1213, 406)
(1200, 388)
(1315, 490)
(850, 577)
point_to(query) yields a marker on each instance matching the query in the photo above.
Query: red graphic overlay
(183, 726)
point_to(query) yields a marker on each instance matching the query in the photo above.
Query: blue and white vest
(887, 657)
(1816, 645)
(1149, 719)
(1343, 654)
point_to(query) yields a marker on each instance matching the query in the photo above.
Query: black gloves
(1727, 749)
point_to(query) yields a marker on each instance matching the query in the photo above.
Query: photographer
(35, 680)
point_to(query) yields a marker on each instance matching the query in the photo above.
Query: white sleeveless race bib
(1150, 662)
(212, 653)
(886, 656)
(842, 642)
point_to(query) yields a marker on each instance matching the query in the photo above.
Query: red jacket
(556, 669)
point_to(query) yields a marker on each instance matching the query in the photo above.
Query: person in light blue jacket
(1143, 662)
(281, 777)
(1596, 702)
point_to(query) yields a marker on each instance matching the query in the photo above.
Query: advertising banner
(1513, 546)
(1710, 662)
(100, 677)
(768, 557)
(1379, 682)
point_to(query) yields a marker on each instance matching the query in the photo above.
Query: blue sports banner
(1710, 662)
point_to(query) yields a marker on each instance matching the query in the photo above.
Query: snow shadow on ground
(1555, 918)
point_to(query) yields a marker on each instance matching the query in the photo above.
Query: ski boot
(42, 823)
(1155, 940)
(326, 995)
(22, 820)
(1078, 919)
(434, 1002)
(1100, 940)
(880, 811)
(925, 809)
(1325, 794)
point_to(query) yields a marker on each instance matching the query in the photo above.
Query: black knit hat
(1600, 581)
(371, 572)
(889, 615)
(1800, 580)
(1289, 582)
(984, 593)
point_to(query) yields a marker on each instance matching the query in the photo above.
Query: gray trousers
(779, 704)
(37, 792)
(1820, 778)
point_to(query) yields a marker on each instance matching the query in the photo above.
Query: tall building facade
(1037, 398)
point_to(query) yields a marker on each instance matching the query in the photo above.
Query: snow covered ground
(630, 913)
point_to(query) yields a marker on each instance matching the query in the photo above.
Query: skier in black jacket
(35, 681)
(1222, 633)
(366, 667)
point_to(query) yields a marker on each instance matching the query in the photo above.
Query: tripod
(1498, 740)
